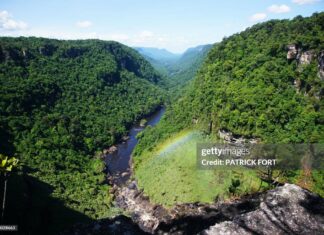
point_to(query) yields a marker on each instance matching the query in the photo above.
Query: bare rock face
(229, 137)
(143, 213)
(321, 65)
(306, 57)
(292, 51)
(288, 209)
(285, 210)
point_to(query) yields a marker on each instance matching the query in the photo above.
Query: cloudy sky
(171, 24)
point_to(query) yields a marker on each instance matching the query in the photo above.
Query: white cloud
(84, 24)
(258, 17)
(8, 23)
(279, 9)
(142, 38)
(146, 38)
(120, 37)
(303, 2)
(146, 35)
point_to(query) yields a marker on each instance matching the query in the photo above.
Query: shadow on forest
(31, 206)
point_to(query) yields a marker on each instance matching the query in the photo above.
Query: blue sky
(171, 24)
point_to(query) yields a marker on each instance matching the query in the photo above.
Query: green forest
(178, 70)
(246, 86)
(61, 104)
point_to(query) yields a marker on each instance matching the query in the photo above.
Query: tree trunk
(4, 198)
(210, 127)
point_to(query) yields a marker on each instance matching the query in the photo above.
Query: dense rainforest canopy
(60, 102)
(247, 86)
(266, 84)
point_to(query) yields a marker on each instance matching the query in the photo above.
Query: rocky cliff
(287, 209)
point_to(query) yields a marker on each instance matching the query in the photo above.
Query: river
(183, 218)
(118, 162)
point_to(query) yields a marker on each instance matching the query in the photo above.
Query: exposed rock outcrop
(302, 57)
(288, 209)
(187, 218)
(229, 137)
(110, 150)
(292, 52)
(142, 211)
(306, 57)
(285, 210)
(321, 65)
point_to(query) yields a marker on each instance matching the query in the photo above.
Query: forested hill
(60, 102)
(265, 82)
(161, 59)
(185, 68)
(178, 69)
(90, 80)
(157, 54)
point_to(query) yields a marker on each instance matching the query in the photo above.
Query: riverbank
(118, 162)
(152, 216)
(193, 217)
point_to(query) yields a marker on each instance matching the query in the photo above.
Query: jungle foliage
(60, 103)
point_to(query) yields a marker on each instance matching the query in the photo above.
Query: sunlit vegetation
(245, 86)
(169, 174)
(60, 103)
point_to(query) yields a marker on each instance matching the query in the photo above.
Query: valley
(106, 135)
(178, 69)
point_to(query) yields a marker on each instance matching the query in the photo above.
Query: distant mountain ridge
(157, 53)
(179, 68)
(192, 58)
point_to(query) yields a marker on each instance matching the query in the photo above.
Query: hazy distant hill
(192, 56)
(161, 59)
(157, 54)
(179, 68)
(185, 68)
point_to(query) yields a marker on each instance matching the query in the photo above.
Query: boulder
(288, 209)
(125, 174)
(112, 149)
